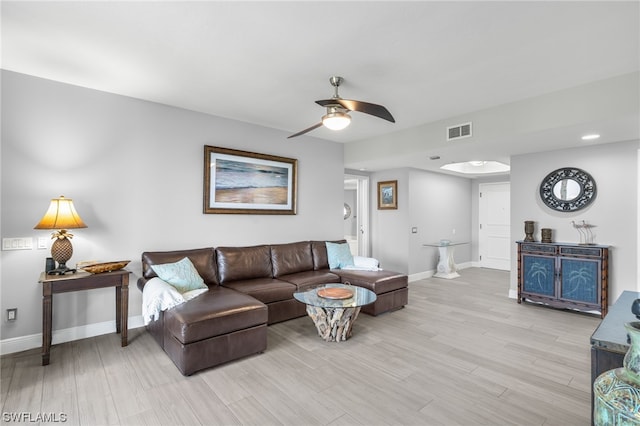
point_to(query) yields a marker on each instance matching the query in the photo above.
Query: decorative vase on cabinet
(616, 392)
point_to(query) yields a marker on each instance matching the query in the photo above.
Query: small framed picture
(388, 195)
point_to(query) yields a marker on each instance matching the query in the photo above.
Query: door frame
(362, 219)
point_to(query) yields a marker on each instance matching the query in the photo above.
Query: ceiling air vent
(459, 131)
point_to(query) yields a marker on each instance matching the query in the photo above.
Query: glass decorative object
(616, 393)
(585, 231)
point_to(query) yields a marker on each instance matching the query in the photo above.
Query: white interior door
(495, 226)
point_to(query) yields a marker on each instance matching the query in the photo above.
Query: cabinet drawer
(595, 252)
(538, 248)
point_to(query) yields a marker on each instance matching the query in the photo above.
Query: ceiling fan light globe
(336, 120)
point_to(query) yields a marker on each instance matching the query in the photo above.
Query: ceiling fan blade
(367, 108)
(315, 126)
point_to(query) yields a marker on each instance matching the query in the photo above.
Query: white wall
(390, 228)
(435, 204)
(135, 172)
(614, 211)
(440, 204)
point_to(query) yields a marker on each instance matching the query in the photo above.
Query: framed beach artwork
(388, 195)
(244, 182)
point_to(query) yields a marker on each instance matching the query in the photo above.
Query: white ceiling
(267, 62)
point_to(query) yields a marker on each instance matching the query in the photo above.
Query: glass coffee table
(334, 308)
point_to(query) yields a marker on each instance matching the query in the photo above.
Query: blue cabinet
(568, 276)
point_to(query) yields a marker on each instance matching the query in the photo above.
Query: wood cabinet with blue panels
(564, 275)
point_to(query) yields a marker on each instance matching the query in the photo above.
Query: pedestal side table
(446, 264)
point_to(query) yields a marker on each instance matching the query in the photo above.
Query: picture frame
(243, 182)
(388, 195)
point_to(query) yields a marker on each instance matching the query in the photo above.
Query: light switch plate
(42, 242)
(12, 314)
(21, 243)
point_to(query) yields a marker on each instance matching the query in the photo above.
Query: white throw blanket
(361, 263)
(159, 295)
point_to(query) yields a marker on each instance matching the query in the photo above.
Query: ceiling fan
(337, 117)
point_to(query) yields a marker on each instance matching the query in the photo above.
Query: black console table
(609, 342)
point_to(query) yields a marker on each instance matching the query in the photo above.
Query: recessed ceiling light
(434, 157)
(477, 163)
(590, 137)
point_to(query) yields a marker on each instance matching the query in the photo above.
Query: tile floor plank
(460, 353)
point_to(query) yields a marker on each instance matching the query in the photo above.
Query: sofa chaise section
(218, 326)
(391, 288)
(215, 327)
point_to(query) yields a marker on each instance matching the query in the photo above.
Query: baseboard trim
(420, 276)
(428, 274)
(24, 343)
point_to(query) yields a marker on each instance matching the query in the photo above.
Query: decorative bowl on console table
(98, 268)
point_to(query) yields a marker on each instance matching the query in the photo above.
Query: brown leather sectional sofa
(249, 288)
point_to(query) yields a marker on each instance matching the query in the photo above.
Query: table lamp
(62, 215)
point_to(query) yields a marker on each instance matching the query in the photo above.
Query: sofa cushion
(291, 258)
(266, 290)
(182, 275)
(305, 279)
(218, 311)
(319, 251)
(339, 255)
(203, 260)
(243, 263)
(377, 281)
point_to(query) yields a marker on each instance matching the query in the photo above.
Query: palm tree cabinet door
(539, 275)
(580, 280)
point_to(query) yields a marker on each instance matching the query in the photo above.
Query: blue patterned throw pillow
(339, 255)
(182, 275)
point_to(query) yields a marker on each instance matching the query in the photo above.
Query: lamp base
(61, 270)
(61, 251)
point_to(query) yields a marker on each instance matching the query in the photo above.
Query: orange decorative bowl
(335, 293)
(98, 268)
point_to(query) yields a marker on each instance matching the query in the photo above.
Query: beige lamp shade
(61, 215)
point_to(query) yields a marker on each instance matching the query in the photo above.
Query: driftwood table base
(333, 324)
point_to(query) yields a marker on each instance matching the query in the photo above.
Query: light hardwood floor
(461, 353)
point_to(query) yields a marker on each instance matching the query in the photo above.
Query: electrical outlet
(12, 314)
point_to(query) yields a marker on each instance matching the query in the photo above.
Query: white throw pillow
(182, 275)
(339, 255)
